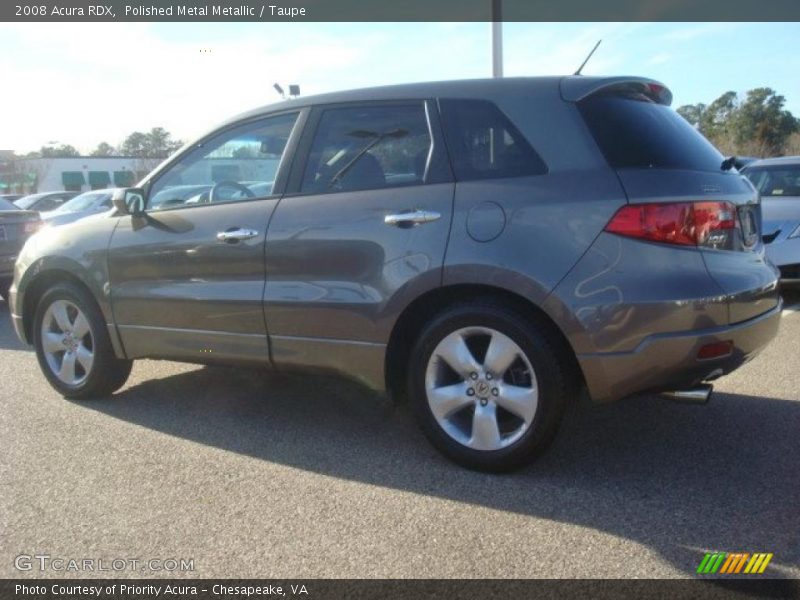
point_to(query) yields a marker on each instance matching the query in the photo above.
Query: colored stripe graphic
(758, 563)
(734, 562)
(711, 562)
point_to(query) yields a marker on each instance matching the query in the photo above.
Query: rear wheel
(487, 386)
(73, 346)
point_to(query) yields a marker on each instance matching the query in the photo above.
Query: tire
(526, 400)
(96, 372)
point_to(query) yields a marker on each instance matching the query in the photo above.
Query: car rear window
(637, 133)
(484, 144)
(775, 181)
(6, 205)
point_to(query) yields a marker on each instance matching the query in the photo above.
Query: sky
(85, 83)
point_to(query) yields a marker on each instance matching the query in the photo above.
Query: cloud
(660, 58)
(86, 83)
(690, 31)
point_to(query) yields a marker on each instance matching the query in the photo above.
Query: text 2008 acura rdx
(484, 248)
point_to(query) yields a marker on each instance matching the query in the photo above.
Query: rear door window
(367, 148)
(634, 132)
(484, 144)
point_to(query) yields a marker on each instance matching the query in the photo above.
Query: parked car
(16, 226)
(10, 197)
(44, 201)
(483, 248)
(740, 162)
(778, 182)
(84, 205)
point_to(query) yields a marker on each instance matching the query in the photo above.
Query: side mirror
(129, 201)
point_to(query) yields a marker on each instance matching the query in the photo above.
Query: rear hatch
(669, 171)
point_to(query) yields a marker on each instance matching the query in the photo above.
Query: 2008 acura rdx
(484, 248)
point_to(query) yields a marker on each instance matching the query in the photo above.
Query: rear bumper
(7, 265)
(668, 361)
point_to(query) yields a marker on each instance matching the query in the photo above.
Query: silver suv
(485, 249)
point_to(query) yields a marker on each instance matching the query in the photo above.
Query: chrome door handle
(236, 235)
(412, 218)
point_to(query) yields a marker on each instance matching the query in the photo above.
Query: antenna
(583, 64)
(279, 89)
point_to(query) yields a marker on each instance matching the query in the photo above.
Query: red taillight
(683, 223)
(31, 226)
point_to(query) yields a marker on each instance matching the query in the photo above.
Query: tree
(758, 126)
(762, 119)
(157, 143)
(62, 151)
(692, 113)
(103, 149)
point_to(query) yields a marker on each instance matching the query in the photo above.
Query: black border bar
(396, 10)
(398, 589)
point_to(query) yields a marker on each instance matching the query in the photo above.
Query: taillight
(707, 224)
(31, 226)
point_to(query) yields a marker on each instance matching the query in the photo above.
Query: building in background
(76, 174)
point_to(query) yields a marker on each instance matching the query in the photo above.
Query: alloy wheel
(67, 342)
(481, 388)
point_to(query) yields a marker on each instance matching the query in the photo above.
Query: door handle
(236, 235)
(412, 218)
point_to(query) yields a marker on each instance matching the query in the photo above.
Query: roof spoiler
(577, 88)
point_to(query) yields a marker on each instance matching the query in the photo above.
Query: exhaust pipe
(696, 395)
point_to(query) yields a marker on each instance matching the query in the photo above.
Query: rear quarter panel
(545, 223)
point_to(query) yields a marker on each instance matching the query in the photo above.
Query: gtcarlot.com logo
(734, 563)
(45, 562)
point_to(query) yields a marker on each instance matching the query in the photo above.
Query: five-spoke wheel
(487, 384)
(67, 342)
(73, 345)
(481, 388)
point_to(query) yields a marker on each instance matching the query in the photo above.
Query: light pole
(497, 39)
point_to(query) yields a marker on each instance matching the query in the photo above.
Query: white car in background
(778, 182)
(84, 205)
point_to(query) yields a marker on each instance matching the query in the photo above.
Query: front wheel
(73, 347)
(488, 387)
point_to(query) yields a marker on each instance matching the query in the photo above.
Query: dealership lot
(253, 474)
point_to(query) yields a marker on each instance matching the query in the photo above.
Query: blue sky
(84, 83)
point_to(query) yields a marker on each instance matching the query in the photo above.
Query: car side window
(48, 204)
(484, 143)
(368, 147)
(238, 164)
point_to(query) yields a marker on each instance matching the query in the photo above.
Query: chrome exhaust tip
(697, 395)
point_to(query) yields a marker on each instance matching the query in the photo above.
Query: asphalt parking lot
(252, 474)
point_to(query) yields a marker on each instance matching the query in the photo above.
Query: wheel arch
(414, 317)
(43, 279)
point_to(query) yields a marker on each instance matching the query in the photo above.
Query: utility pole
(497, 39)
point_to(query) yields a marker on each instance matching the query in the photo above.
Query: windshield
(84, 202)
(6, 205)
(776, 181)
(28, 201)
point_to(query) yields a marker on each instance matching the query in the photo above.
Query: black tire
(107, 373)
(536, 341)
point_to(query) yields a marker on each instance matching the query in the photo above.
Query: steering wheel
(212, 194)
